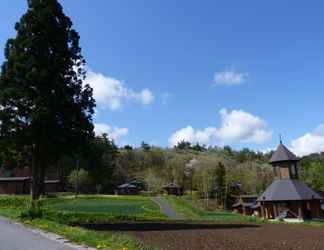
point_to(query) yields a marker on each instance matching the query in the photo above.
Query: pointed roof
(283, 154)
(289, 190)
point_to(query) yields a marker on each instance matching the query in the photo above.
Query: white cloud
(194, 136)
(114, 133)
(309, 143)
(240, 126)
(145, 96)
(266, 150)
(237, 126)
(111, 93)
(229, 78)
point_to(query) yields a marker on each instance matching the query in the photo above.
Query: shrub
(80, 180)
(78, 218)
(33, 211)
(8, 201)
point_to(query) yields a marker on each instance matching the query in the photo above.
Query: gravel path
(167, 209)
(14, 236)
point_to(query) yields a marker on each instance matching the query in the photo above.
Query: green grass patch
(185, 206)
(101, 209)
(111, 205)
(60, 213)
(99, 240)
(14, 201)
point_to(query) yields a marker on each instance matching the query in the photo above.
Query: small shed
(173, 189)
(139, 184)
(15, 185)
(127, 189)
(53, 186)
(246, 204)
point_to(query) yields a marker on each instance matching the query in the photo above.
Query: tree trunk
(42, 178)
(38, 173)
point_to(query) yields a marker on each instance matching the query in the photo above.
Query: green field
(113, 205)
(59, 213)
(185, 206)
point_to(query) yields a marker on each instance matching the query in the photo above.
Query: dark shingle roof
(244, 204)
(52, 181)
(127, 185)
(289, 190)
(282, 154)
(9, 179)
(171, 185)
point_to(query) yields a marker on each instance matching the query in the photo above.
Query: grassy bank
(84, 210)
(185, 206)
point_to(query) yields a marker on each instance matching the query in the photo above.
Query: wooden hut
(287, 196)
(15, 185)
(18, 181)
(173, 189)
(127, 189)
(246, 204)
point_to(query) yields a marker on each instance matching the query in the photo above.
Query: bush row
(77, 218)
(7, 201)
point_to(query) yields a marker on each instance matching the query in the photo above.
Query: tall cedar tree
(221, 183)
(45, 107)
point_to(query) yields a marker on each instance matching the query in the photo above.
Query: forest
(208, 171)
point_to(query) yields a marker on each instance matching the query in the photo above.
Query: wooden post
(275, 211)
(262, 210)
(300, 211)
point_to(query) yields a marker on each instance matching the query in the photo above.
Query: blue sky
(215, 72)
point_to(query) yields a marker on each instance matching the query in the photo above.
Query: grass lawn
(114, 205)
(185, 206)
(105, 207)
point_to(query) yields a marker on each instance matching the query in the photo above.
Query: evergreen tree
(102, 162)
(221, 183)
(44, 104)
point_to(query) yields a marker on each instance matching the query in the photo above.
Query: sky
(224, 72)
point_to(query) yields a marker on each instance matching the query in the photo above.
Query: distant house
(127, 189)
(139, 184)
(172, 189)
(18, 181)
(15, 185)
(246, 204)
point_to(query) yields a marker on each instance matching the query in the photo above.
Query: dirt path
(167, 209)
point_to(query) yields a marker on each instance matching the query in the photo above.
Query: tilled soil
(204, 235)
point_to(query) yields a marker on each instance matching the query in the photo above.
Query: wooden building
(246, 204)
(287, 196)
(173, 189)
(127, 189)
(18, 181)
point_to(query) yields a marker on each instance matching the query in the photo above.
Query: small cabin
(18, 181)
(172, 189)
(15, 185)
(246, 204)
(127, 189)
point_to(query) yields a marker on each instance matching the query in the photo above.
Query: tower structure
(288, 196)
